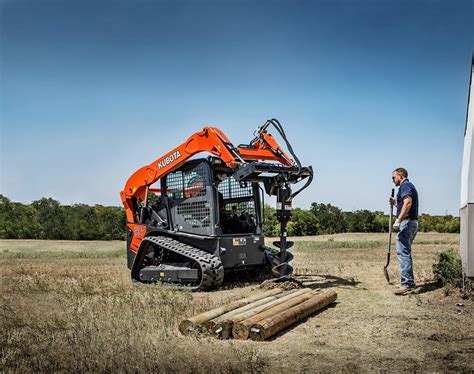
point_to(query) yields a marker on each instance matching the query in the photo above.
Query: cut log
(268, 327)
(210, 324)
(223, 329)
(190, 324)
(241, 329)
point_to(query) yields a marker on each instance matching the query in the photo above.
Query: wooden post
(210, 324)
(268, 327)
(188, 324)
(223, 329)
(241, 329)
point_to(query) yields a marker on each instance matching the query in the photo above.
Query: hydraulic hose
(278, 126)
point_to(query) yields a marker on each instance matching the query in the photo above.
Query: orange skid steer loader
(191, 221)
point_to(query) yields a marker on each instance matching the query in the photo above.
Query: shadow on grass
(428, 287)
(326, 281)
(313, 281)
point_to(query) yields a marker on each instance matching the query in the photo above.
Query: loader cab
(203, 198)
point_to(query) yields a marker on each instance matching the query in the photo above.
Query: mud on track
(69, 306)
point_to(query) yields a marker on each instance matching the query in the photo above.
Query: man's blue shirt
(408, 189)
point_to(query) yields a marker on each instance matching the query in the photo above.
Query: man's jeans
(405, 237)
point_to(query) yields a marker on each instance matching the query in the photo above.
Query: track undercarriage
(168, 260)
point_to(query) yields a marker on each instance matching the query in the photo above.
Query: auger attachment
(283, 270)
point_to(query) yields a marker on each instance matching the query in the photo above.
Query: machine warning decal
(139, 231)
(169, 159)
(239, 241)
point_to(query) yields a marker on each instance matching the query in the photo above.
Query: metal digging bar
(389, 247)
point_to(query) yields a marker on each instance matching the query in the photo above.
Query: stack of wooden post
(260, 316)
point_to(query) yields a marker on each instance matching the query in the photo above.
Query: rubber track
(212, 270)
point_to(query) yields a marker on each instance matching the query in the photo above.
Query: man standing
(406, 225)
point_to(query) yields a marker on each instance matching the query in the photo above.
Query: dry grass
(69, 306)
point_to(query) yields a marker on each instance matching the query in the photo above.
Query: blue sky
(92, 90)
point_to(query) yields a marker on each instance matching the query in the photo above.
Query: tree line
(46, 218)
(328, 219)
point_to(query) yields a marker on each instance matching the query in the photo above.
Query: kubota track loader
(191, 221)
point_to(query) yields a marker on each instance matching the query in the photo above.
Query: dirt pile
(291, 284)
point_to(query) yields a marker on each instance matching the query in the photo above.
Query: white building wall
(467, 186)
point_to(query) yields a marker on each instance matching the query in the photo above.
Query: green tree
(51, 218)
(331, 219)
(381, 222)
(270, 223)
(454, 225)
(446, 223)
(6, 214)
(83, 223)
(362, 221)
(111, 222)
(18, 221)
(303, 222)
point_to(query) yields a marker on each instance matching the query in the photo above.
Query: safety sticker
(239, 241)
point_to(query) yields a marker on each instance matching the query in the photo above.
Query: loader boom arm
(210, 139)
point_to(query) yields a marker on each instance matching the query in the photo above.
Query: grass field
(70, 307)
